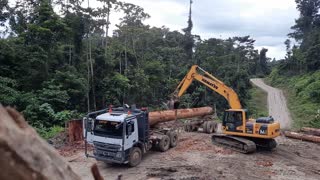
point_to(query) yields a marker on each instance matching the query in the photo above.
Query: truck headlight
(118, 155)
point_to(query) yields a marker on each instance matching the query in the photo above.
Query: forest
(58, 60)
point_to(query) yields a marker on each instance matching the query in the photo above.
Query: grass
(302, 93)
(258, 103)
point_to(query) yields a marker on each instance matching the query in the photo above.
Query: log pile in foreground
(24, 155)
(301, 136)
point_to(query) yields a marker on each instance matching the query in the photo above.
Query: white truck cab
(114, 133)
(122, 135)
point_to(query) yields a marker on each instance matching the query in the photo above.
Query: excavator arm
(211, 82)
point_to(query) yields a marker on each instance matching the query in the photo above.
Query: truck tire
(215, 126)
(173, 139)
(135, 157)
(211, 127)
(164, 143)
(187, 127)
(204, 127)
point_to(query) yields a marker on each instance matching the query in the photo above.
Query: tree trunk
(125, 56)
(88, 79)
(75, 131)
(92, 75)
(107, 28)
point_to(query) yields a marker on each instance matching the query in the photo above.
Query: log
(156, 117)
(304, 137)
(24, 155)
(311, 131)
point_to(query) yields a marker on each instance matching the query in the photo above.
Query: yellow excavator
(239, 132)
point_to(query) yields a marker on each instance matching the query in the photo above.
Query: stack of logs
(307, 134)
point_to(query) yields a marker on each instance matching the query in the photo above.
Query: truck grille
(106, 147)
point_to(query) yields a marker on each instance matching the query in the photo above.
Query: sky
(266, 21)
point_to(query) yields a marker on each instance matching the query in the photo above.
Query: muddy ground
(196, 158)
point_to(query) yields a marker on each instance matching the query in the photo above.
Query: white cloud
(267, 21)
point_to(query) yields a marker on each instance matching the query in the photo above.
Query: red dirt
(264, 163)
(202, 145)
(72, 149)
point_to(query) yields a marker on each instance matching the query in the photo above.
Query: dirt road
(276, 102)
(196, 158)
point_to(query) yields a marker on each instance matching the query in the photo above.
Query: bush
(48, 133)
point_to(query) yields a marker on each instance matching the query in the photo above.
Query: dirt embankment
(276, 102)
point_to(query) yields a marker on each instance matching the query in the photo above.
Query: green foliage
(257, 104)
(52, 94)
(54, 65)
(48, 133)
(304, 57)
(8, 92)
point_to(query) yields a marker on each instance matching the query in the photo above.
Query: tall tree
(189, 39)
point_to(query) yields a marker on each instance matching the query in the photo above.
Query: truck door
(87, 123)
(131, 134)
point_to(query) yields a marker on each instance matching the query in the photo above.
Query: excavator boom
(197, 73)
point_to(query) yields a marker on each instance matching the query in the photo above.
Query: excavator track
(235, 143)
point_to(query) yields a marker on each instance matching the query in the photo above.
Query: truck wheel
(215, 126)
(164, 143)
(135, 157)
(210, 127)
(173, 139)
(204, 127)
(187, 127)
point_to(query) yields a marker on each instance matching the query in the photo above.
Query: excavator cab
(233, 120)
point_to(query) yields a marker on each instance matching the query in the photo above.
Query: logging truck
(122, 135)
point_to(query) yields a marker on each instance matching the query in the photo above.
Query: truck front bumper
(109, 159)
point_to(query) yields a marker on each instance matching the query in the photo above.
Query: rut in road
(276, 102)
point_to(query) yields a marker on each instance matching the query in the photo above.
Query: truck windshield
(108, 129)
